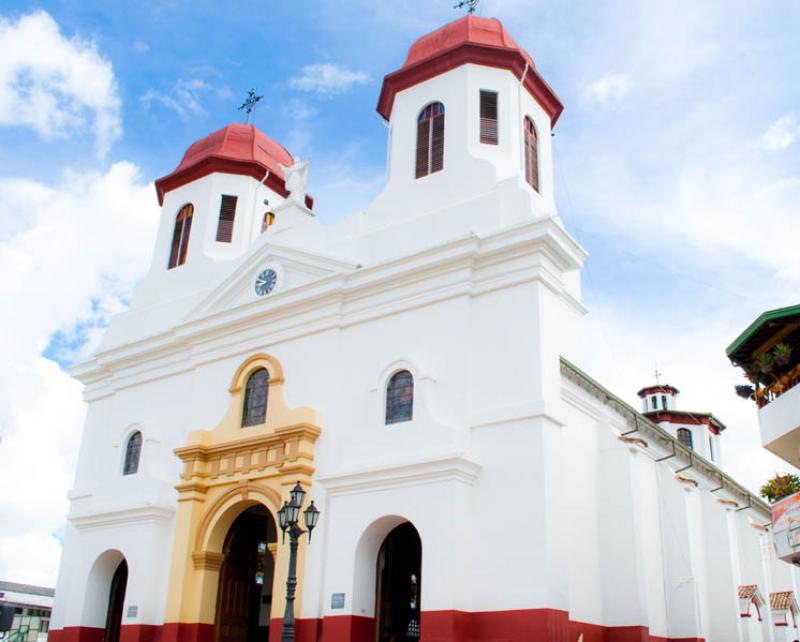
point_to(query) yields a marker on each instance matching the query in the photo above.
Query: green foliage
(780, 486)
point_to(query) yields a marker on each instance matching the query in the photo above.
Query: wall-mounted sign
(337, 600)
(133, 611)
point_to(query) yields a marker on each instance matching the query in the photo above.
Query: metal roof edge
(764, 317)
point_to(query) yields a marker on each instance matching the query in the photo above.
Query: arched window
(255, 398)
(180, 236)
(685, 437)
(133, 449)
(531, 154)
(430, 139)
(400, 397)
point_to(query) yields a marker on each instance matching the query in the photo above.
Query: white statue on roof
(296, 176)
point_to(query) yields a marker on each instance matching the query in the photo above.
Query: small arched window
(531, 154)
(430, 140)
(267, 221)
(133, 450)
(180, 236)
(685, 437)
(400, 397)
(255, 398)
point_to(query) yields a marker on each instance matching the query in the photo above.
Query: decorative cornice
(542, 248)
(453, 468)
(116, 517)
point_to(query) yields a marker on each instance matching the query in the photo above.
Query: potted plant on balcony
(780, 486)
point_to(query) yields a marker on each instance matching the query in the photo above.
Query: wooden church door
(116, 602)
(242, 578)
(398, 586)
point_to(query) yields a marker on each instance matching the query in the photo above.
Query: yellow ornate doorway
(234, 473)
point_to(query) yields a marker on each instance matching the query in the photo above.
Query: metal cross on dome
(249, 104)
(657, 375)
(471, 5)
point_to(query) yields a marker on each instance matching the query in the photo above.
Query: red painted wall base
(543, 625)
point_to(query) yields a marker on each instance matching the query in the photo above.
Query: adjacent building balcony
(768, 352)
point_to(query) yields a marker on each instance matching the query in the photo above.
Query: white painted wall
(514, 478)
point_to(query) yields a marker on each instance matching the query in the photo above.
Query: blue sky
(676, 167)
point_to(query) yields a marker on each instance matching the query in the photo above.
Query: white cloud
(300, 110)
(69, 253)
(140, 46)
(56, 85)
(327, 78)
(609, 88)
(781, 134)
(187, 97)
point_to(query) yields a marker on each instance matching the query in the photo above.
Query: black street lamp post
(288, 517)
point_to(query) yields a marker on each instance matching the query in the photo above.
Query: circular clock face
(265, 282)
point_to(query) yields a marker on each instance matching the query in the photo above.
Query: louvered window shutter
(176, 243)
(531, 155)
(180, 236)
(227, 213)
(187, 228)
(423, 136)
(437, 144)
(489, 117)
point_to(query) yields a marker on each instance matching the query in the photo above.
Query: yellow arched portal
(227, 470)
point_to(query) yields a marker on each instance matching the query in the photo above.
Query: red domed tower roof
(483, 41)
(235, 149)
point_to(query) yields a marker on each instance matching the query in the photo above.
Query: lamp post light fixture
(288, 516)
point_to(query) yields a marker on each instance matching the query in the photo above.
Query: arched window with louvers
(256, 392)
(531, 144)
(180, 236)
(133, 452)
(430, 140)
(685, 437)
(400, 397)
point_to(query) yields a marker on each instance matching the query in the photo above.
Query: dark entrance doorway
(244, 595)
(116, 600)
(399, 586)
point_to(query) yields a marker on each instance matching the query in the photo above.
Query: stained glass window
(400, 397)
(255, 398)
(132, 452)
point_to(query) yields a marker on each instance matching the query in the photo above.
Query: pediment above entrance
(272, 270)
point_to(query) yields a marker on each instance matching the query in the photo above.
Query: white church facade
(416, 368)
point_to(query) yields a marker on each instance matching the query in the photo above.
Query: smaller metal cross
(249, 105)
(657, 375)
(469, 4)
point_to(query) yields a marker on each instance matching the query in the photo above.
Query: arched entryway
(399, 586)
(116, 602)
(244, 595)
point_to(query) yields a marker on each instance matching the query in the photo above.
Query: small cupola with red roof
(699, 431)
(226, 191)
(469, 113)
(659, 397)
